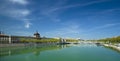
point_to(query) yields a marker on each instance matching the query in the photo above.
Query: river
(69, 52)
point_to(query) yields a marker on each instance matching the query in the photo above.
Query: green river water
(69, 52)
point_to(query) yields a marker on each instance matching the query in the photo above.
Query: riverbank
(25, 44)
(112, 46)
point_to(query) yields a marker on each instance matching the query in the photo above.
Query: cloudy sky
(86, 19)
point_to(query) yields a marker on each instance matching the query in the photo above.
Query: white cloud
(110, 11)
(23, 2)
(18, 13)
(52, 12)
(21, 14)
(76, 5)
(103, 26)
(15, 12)
(68, 30)
(27, 22)
(45, 10)
(27, 25)
(104, 12)
(25, 12)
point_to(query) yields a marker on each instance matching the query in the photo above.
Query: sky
(85, 19)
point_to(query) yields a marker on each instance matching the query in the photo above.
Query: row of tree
(44, 40)
(111, 40)
(47, 40)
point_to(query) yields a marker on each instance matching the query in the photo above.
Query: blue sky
(86, 19)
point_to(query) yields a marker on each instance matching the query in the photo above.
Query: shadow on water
(8, 51)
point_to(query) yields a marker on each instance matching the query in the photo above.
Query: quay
(113, 46)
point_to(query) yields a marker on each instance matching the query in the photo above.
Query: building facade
(16, 39)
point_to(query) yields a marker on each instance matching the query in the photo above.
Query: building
(4, 38)
(16, 39)
(37, 35)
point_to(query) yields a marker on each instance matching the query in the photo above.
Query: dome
(36, 33)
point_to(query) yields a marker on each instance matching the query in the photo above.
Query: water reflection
(66, 52)
(36, 50)
(30, 49)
